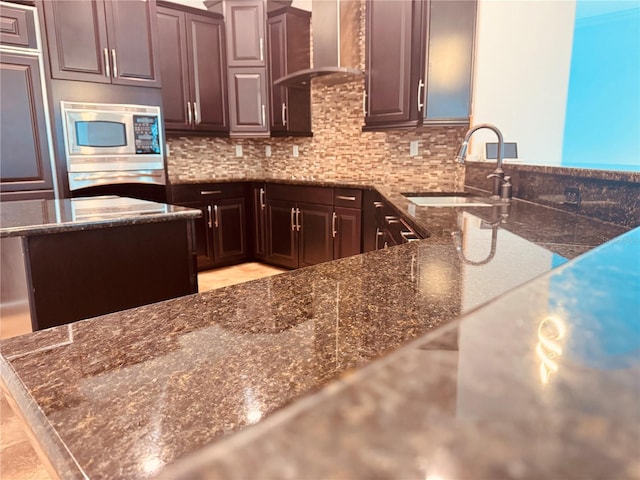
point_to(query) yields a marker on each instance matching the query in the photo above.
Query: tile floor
(18, 459)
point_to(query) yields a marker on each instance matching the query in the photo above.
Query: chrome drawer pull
(210, 192)
(345, 197)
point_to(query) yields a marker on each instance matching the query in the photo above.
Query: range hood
(335, 27)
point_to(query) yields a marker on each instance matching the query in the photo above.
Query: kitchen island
(71, 259)
(383, 365)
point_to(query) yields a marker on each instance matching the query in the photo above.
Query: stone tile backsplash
(338, 150)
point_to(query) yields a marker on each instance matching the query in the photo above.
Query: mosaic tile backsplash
(338, 150)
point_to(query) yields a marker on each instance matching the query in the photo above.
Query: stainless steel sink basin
(441, 199)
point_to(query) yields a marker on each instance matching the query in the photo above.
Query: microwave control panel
(146, 131)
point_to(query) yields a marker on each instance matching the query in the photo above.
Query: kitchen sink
(446, 199)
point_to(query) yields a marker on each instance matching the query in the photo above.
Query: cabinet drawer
(300, 193)
(206, 191)
(17, 27)
(348, 197)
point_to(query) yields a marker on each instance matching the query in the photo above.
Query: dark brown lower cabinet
(221, 231)
(299, 235)
(82, 274)
(347, 232)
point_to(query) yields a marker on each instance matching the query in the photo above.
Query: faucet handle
(497, 175)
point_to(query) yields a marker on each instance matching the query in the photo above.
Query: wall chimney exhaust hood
(335, 26)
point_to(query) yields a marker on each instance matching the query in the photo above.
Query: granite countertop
(213, 377)
(34, 217)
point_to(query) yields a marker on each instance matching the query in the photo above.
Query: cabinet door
(315, 238)
(24, 152)
(449, 83)
(276, 33)
(131, 34)
(172, 43)
(394, 63)
(77, 39)
(245, 33)
(208, 73)
(203, 228)
(347, 232)
(282, 237)
(259, 222)
(288, 51)
(247, 101)
(230, 239)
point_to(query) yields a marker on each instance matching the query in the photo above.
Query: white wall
(523, 58)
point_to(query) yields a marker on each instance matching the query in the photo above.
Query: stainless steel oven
(107, 144)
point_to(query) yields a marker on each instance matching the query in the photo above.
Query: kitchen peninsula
(66, 260)
(282, 377)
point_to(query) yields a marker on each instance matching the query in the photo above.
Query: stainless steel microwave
(100, 136)
(113, 143)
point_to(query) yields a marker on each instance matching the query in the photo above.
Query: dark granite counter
(283, 377)
(33, 217)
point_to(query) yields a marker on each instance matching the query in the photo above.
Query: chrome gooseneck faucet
(498, 173)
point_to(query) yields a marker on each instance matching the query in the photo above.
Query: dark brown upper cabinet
(245, 21)
(288, 51)
(25, 158)
(193, 67)
(105, 41)
(394, 62)
(248, 101)
(245, 25)
(415, 74)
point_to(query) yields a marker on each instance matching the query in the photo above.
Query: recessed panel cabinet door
(204, 241)
(245, 24)
(77, 39)
(172, 42)
(281, 233)
(208, 72)
(247, 100)
(23, 151)
(105, 41)
(347, 224)
(230, 241)
(131, 32)
(316, 239)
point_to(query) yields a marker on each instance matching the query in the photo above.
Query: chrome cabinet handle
(390, 219)
(115, 63)
(378, 235)
(298, 223)
(196, 114)
(364, 103)
(284, 114)
(107, 68)
(345, 197)
(409, 236)
(210, 192)
(189, 113)
(378, 204)
(293, 222)
(333, 224)
(209, 222)
(264, 116)
(420, 87)
(262, 204)
(262, 50)
(215, 216)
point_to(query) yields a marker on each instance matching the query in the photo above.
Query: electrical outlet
(413, 148)
(267, 151)
(296, 151)
(238, 150)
